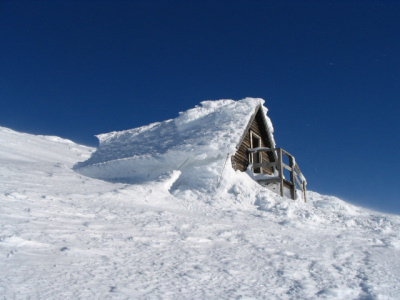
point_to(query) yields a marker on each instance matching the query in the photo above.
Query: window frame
(253, 155)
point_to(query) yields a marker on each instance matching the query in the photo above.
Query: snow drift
(67, 236)
(198, 143)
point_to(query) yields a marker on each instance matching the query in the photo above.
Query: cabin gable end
(256, 129)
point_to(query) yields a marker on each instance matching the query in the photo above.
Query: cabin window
(255, 142)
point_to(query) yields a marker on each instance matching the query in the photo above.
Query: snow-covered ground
(67, 236)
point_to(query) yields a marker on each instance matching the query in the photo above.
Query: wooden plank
(298, 181)
(304, 191)
(287, 153)
(298, 170)
(280, 170)
(261, 149)
(269, 180)
(292, 178)
(287, 183)
(264, 165)
(286, 167)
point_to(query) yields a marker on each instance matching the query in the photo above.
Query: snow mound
(37, 148)
(198, 143)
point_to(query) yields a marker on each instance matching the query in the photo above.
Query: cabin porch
(269, 173)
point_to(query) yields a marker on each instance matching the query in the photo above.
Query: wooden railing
(297, 179)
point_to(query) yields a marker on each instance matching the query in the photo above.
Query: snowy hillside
(67, 236)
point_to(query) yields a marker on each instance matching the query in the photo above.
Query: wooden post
(280, 170)
(304, 191)
(293, 187)
(249, 159)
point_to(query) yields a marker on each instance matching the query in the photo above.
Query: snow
(65, 235)
(197, 143)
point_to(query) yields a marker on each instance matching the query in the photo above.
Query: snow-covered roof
(199, 136)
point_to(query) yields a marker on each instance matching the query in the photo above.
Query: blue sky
(328, 70)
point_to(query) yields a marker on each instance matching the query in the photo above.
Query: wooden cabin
(256, 151)
(247, 137)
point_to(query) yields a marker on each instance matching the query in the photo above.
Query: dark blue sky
(328, 70)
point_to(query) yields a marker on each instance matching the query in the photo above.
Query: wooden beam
(298, 182)
(280, 170)
(261, 149)
(292, 177)
(269, 180)
(287, 167)
(263, 165)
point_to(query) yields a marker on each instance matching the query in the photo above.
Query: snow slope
(67, 236)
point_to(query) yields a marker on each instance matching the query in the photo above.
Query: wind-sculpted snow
(199, 138)
(67, 236)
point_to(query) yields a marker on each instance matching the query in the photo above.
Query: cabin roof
(205, 132)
